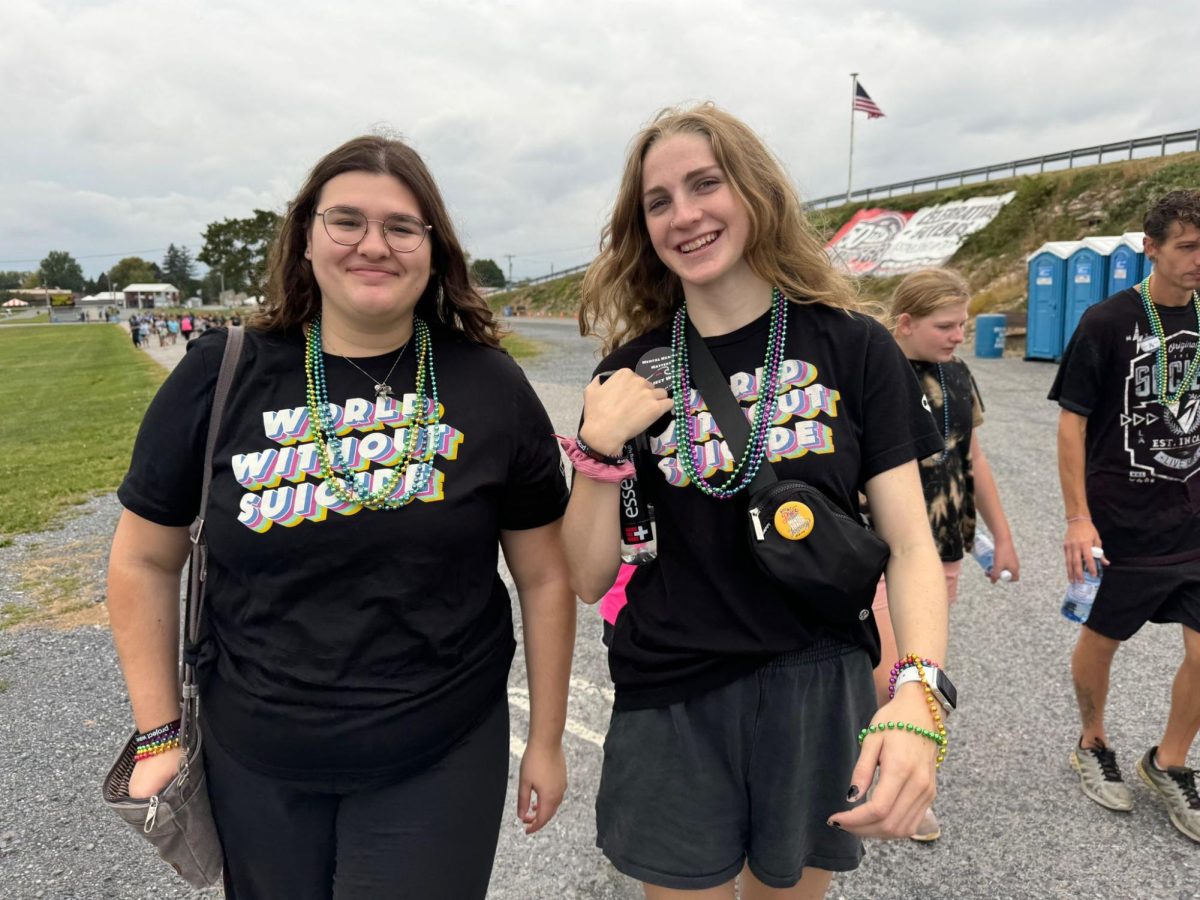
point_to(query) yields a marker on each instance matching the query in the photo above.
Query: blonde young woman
(733, 745)
(927, 316)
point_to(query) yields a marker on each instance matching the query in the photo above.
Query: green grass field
(72, 401)
(35, 319)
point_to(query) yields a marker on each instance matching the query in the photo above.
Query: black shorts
(1131, 596)
(746, 773)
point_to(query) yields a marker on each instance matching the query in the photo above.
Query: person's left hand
(907, 780)
(542, 785)
(1006, 558)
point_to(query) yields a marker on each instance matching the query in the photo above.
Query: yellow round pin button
(794, 520)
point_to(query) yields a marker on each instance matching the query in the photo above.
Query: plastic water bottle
(1077, 602)
(984, 552)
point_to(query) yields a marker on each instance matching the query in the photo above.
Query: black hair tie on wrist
(597, 455)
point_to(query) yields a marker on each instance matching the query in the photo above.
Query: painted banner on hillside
(885, 242)
(861, 244)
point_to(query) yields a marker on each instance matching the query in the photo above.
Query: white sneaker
(1100, 778)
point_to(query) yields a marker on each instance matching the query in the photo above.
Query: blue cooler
(989, 334)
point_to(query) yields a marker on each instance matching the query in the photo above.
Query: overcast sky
(131, 124)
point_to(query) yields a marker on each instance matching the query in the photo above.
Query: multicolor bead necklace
(1156, 324)
(426, 412)
(755, 451)
(945, 415)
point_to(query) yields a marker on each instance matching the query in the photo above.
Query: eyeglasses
(347, 226)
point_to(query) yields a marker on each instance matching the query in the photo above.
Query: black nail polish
(852, 794)
(833, 824)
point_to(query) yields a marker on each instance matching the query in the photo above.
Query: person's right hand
(1081, 537)
(153, 774)
(619, 409)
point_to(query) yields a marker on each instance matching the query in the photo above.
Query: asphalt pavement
(1014, 822)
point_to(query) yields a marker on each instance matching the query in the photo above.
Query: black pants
(431, 835)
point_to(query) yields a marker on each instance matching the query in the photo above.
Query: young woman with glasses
(377, 449)
(736, 746)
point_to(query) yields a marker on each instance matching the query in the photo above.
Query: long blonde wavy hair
(627, 290)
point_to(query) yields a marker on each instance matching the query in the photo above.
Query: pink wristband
(590, 468)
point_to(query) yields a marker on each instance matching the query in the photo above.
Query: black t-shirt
(1141, 455)
(344, 640)
(703, 613)
(949, 478)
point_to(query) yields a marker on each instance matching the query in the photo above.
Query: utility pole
(853, 96)
(509, 257)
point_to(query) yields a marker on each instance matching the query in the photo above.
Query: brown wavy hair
(293, 296)
(628, 291)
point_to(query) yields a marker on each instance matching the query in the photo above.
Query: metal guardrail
(1010, 169)
(561, 273)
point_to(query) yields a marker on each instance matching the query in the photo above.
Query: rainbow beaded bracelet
(156, 741)
(939, 727)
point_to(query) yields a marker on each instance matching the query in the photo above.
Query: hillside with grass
(1056, 206)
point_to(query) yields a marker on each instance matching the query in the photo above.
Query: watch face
(946, 688)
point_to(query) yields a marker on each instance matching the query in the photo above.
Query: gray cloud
(134, 123)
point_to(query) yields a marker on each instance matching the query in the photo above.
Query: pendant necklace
(353, 487)
(756, 448)
(383, 390)
(1170, 402)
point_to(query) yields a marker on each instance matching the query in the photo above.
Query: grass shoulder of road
(520, 347)
(36, 319)
(73, 398)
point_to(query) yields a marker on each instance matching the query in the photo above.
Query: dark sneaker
(1177, 787)
(1100, 779)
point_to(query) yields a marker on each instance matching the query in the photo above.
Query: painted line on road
(520, 698)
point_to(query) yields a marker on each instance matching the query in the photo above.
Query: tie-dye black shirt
(948, 478)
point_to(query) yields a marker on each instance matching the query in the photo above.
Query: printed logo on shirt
(1163, 441)
(371, 434)
(794, 431)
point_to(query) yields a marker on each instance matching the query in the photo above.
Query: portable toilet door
(1087, 284)
(1125, 263)
(1047, 299)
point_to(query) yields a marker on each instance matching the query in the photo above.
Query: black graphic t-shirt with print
(1142, 455)
(340, 639)
(949, 479)
(703, 613)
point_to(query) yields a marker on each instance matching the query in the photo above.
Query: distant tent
(13, 303)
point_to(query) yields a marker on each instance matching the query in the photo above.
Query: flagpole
(853, 96)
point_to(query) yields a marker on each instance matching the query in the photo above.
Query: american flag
(863, 101)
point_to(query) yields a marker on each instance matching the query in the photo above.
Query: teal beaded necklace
(337, 475)
(1172, 402)
(756, 448)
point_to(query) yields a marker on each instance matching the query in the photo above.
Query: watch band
(932, 679)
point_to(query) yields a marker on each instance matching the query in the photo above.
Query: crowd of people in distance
(168, 328)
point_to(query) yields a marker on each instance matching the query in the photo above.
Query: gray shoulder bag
(178, 819)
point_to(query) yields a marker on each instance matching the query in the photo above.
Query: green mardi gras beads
(1157, 327)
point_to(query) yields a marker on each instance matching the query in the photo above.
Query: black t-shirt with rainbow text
(703, 613)
(338, 639)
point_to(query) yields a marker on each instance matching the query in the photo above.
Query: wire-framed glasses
(347, 226)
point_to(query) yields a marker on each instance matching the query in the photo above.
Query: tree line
(234, 251)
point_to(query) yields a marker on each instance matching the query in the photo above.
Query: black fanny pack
(827, 561)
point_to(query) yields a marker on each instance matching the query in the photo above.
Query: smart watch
(937, 681)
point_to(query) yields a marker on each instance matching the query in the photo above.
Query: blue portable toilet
(1125, 262)
(1087, 283)
(1147, 265)
(1047, 299)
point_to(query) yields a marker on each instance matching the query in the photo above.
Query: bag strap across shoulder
(714, 388)
(197, 567)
